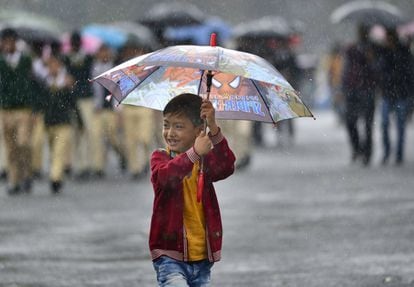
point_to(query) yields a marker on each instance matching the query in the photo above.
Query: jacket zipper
(185, 244)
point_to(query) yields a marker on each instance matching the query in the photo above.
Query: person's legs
(170, 272)
(98, 143)
(401, 112)
(131, 137)
(112, 125)
(24, 142)
(351, 125)
(369, 121)
(10, 134)
(386, 108)
(84, 153)
(60, 142)
(38, 143)
(201, 274)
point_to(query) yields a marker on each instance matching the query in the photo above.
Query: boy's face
(179, 132)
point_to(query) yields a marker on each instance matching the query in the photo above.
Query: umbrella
(117, 34)
(199, 34)
(240, 85)
(173, 14)
(32, 27)
(111, 36)
(138, 34)
(265, 27)
(368, 13)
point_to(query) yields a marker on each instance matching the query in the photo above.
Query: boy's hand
(208, 113)
(202, 144)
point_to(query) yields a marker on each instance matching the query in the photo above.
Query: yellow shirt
(194, 222)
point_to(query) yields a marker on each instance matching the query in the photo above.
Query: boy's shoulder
(160, 151)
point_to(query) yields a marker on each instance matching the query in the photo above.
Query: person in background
(58, 109)
(358, 86)
(397, 91)
(79, 65)
(16, 104)
(138, 125)
(40, 72)
(334, 68)
(284, 60)
(3, 158)
(107, 118)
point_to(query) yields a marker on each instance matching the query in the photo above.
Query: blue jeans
(400, 107)
(174, 273)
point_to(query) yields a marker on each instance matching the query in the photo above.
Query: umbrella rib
(201, 80)
(268, 108)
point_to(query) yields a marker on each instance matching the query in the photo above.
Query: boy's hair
(186, 104)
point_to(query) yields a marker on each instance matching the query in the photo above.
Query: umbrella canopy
(32, 27)
(111, 36)
(117, 34)
(368, 13)
(138, 34)
(241, 85)
(173, 14)
(199, 34)
(265, 27)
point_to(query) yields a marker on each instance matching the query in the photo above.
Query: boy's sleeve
(219, 163)
(167, 172)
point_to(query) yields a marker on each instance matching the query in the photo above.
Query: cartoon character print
(232, 93)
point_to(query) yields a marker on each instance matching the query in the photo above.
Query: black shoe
(15, 190)
(27, 185)
(56, 187)
(123, 163)
(138, 176)
(37, 175)
(3, 175)
(385, 160)
(99, 174)
(68, 171)
(83, 175)
(355, 156)
(399, 162)
(366, 161)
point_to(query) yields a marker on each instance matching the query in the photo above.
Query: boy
(186, 235)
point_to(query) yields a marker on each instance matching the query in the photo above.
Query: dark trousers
(360, 106)
(400, 107)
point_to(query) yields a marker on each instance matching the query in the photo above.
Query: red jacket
(167, 234)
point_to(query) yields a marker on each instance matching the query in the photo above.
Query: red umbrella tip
(213, 39)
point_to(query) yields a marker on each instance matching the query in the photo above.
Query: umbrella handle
(200, 185)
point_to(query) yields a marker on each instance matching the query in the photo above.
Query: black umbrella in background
(172, 14)
(264, 35)
(266, 27)
(32, 27)
(369, 13)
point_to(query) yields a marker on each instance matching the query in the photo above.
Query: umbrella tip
(213, 39)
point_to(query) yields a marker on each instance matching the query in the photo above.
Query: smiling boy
(186, 235)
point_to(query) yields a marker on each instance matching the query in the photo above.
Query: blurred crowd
(55, 123)
(54, 120)
(374, 73)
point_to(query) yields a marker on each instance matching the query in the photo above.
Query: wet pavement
(298, 216)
